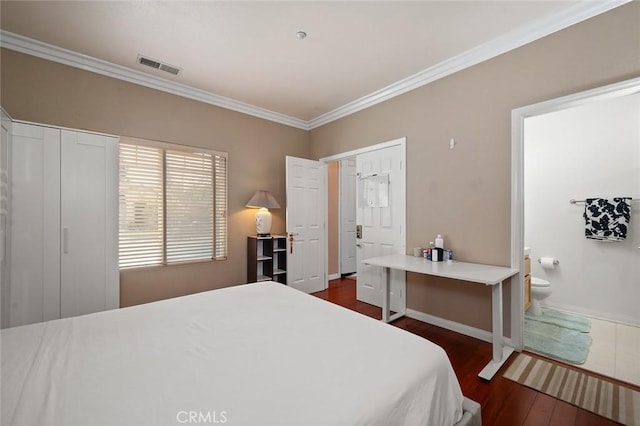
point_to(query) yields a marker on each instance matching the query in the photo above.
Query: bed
(255, 354)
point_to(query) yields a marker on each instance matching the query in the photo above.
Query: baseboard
(605, 316)
(334, 277)
(476, 333)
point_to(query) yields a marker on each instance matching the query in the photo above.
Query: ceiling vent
(143, 60)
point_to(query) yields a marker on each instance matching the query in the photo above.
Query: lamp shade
(263, 199)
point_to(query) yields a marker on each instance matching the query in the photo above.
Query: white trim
(490, 49)
(4, 111)
(518, 117)
(171, 146)
(512, 40)
(592, 313)
(517, 231)
(615, 90)
(68, 57)
(52, 126)
(334, 277)
(476, 333)
(355, 152)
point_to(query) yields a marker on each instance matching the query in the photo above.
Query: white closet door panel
(89, 176)
(35, 225)
(5, 209)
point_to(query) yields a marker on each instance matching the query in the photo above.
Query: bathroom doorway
(584, 146)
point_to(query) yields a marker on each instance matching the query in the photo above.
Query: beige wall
(464, 193)
(45, 92)
(333, 206)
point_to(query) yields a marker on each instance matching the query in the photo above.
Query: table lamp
(263, 200)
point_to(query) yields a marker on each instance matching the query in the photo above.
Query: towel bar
(572, 201)
(555, 261)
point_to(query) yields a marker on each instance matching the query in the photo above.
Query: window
(173, 204)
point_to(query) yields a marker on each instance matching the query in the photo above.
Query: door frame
(402, 142)
(518, 117)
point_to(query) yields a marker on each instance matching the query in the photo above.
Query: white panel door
(35, 225)
(305, 224)
(89, 194)
(348, 216)
(382, 226)
(5, 209)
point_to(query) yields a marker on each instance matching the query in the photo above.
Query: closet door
(34, 270)
(89, 223)
(5, 210)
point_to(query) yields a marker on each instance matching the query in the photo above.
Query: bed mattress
(255, 354)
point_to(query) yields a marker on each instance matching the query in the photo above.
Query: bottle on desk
(429, 249)
(437, 252)
(448, 256)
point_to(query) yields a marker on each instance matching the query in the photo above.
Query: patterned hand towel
(606, 219)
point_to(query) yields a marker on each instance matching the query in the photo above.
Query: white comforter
(257, 354)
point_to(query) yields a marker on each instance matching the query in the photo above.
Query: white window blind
(189, 195)
(220, 206)
(141, 206)
(173, 205)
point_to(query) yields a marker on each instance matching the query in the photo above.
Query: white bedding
(256, 354)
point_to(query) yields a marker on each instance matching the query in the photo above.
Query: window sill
(174, 264)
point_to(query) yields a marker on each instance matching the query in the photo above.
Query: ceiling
(247, 54)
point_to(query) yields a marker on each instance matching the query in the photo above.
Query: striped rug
(602, 397)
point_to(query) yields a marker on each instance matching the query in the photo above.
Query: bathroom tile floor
(615, 351)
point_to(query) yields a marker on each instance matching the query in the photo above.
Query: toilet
(540, 290)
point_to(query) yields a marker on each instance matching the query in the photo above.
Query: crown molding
(68, 57)
(581, 11)
(492, 48)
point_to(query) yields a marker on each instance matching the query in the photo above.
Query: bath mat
(557, 342)
(616, 402)
(573, 322)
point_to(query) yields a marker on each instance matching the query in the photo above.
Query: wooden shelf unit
(267, 259)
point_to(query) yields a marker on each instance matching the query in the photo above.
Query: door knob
(291, 235)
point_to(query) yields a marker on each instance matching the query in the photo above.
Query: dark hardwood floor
(503, 401)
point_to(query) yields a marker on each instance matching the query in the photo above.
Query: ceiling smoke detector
(171, 69)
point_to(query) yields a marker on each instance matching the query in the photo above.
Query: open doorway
(341, 218)
(379, 169)
(560, 157)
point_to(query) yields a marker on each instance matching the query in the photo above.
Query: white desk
(472, 272)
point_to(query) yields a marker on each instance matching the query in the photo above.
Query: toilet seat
(539, 282)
